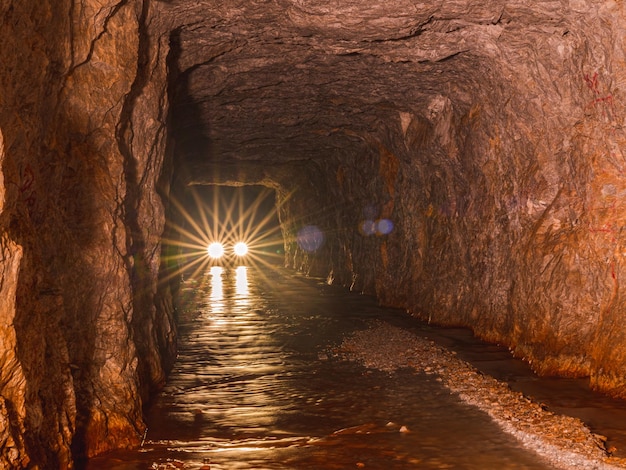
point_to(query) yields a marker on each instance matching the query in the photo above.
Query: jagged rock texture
(490, 135)
(83, 342)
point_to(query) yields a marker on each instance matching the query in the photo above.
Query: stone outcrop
(84, 336)
(463, 161)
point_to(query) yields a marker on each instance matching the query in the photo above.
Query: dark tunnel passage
(203, 215)
(460, 163)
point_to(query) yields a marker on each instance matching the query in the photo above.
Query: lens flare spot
(368, 227)
(310, 238)
(240, 249)
(370, 212)
(384, 226)
(215, 250)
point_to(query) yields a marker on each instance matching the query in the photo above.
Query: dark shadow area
(190, 137)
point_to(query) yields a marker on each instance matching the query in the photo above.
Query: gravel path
(562, 440)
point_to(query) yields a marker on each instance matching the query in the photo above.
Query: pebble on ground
(564, 441)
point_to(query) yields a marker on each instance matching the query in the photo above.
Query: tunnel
(222, 216)
(462, 161)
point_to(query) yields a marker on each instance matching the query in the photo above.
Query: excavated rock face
(463, 161)
(486, 140)
(85, 335)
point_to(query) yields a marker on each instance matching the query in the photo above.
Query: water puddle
(254, 388)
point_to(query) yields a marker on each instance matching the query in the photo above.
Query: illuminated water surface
(254, 388)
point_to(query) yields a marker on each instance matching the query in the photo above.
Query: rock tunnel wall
(85, 332)
(501, 188)
(489, 134)
(507, 204)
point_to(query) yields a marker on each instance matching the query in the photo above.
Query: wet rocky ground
(566, 442)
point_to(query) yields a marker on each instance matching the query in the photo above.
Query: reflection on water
(217, 285)
(241, 282)
(253, 388)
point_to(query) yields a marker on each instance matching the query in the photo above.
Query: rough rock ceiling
(295, 79)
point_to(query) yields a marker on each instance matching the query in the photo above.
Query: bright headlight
(240, 249)
(215, 250)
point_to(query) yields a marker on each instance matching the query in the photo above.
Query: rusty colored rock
(465, 162)
(80, 206)
(489, 137)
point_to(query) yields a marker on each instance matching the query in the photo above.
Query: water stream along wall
(256, 386)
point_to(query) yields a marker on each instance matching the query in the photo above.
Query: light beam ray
(222, 215)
